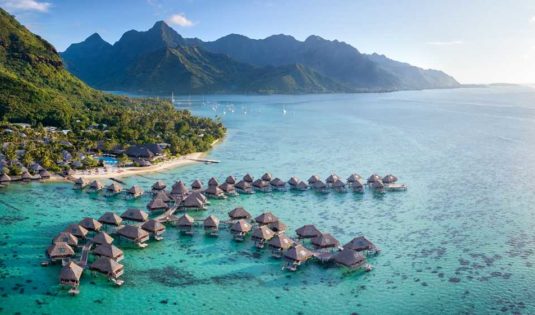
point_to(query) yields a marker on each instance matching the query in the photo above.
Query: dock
(117, 180)
(205, 161)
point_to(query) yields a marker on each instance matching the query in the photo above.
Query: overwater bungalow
(293, 181)
(357, 185)
(26, 176)
(374, 178)
(261, 185)
(157, 204)
(59, 251)
(113, 189)
(44, 174)
(80, 183)
(163, 195)
(155, 228)
(332, 179)
(266, 218)
(193, 201)
(70, 276)
(196, 185)
(4, 178)
(248, 178)
(134, 192)
(228, 189)
(108, 266)
(102, 238)
(377, 186)
(179, 191)
(324, 240)
(320, 186)
(135, 215)
(185, 224)
(307, 231)
(339, 186)
(91, 224)
(313, 179)
(77, 230)
(390, 179)
(96, 186)
(211, 225)
(278, 184)
(277, 227)
(280, 243)
(239, 213)
(262, 234)
(362, 244)
(230, 180)
(158, 186)
(267, 177)
(215, 192)
(244, 187)
(134, 234)
(302, 186)
(66, 237)
(213, 182)
(110, 218)
(350, 259)
(296, 255)
(240, 229)
(110, 251)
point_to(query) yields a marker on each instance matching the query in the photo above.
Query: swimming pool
(109, 160)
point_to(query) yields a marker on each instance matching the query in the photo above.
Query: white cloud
(25, 5)
(179, 19)
(445, 43)
(532, 20)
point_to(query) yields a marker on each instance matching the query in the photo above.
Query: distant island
(52, 121)
(160, 61)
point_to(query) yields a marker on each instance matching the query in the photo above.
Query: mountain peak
(95, 38)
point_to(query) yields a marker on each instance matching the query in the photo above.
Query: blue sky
(477, 41)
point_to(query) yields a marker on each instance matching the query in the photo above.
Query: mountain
(159, 60)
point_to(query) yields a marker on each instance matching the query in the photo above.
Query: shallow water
(460, 240)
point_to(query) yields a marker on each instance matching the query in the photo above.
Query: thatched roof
(135, 215)
(349, 258)
(71, 272)
(153, 226)
(319, 184)
(267, 177)
(266, 218)
(241, 226)
(159, 185)
(390, 179)
(277, 226)
(332, 178)
(77, 230)
(4, 178)
(102, 238)
(59, 250)
(377, 184)
(293, 181)
(135, 190)
(263, 233)
(199, 196)
(260, 183)
(157, 204)
(248, 178)
(308, 231)
(26, 175)
(354, 177)
(298, 253)
(339, 184)
(179, 188)
(324, 240)
(96, 185)
(230, 180)
(302, 185)
(163, 195)
(228, 188)
(108, 250)
(281, 241)
(214, 191)
(114, 187)
(134, 233)
(359, 243)
(239, 213)
(185, 220)
(81, 181)
(197, 184)
(277, 182)
(91, 224)
(66, 237)
(357, 182)
(313, 179)
(44, 173)
(193, 201)
(106, 266)
(374, 178)
(243, 185)
(110, 218)
(213, 182)
(211, 222)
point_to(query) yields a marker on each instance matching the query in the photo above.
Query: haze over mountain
(161, 61)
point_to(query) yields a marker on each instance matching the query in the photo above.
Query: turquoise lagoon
(460, 240)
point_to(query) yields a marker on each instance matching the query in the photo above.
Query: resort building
(59, 251)
(185, 224)
(211, 225)
(102, 238)
(157, 204)
(110, 218)
(77, 230)
(230, 180)
(134, 234)
(114, 189)
(70, 274)
(91, 224)
(244, 187)
(155, 228)
(158, 186)
(261, 235)
(266, 218)
(134, 192)
(324, 240)
(293, 181)
(296, 256)
(66, 237)
(135, 215)
(108, 267)
(248, 178)
(110, 251)
(278, 244)
(349, 258)
(307, 231)
(239, 213)
(240, 229)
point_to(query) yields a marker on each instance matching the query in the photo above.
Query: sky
(475, 41)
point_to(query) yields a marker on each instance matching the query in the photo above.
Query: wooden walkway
(205, 160)
(85, 254)
(166, 216)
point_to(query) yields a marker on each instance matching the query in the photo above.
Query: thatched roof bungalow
(110, 218)
(361, 244)
(261, 185)
(211, 225)
(215, 192)
(278, 184)
(339, 186)
(374, 178)
(70, 274)
(307, 231)
(96, 185)
(293, 181)
(154, 227)
(324, 240)
(196, 185)
(135, 192)
(107, 266)
(4, 178)
(228, 189)
(157, 204)
(77, 230)
(59, 251)
(158, 185)
(110, 251)
(80, 183)
(277, 227)
(266, 218)
(230, 180)
(349, 258)
(193, 201)
(313, 179)
(91, 224)
(390, 179)
(135, 215)
(179, 189)
(331, 179)
(44, 174)
(267, 177)
(244, 187)
(102, 238)
(114, 188)
(280, 242)
(163, 195)
(239, 213)
(261, 235)
(248, 178)
(133, 233)
(66, 237)
(297, 255)
(213, 182)
(239, 229)
(301, 186)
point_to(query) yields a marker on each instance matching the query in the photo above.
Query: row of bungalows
(25, 177)
(111, 190)
(186, 225)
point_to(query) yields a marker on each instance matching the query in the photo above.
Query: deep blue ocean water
(460, 240)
